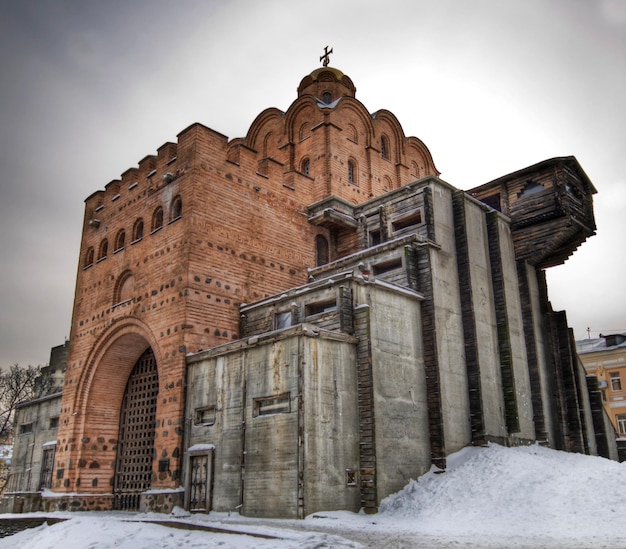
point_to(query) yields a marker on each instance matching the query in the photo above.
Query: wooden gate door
(135, 450)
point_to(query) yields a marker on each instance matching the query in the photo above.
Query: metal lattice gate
(135, 451)
(200, 470)
(47, 465)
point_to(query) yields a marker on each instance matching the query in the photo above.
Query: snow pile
(488, 498)
(525, 491)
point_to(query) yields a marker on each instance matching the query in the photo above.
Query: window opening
(387, 266)
(104, 249)
(205, 416)
(282, 319)
(616, 381)
(26, 428)
(375, 237)
(306, 167)
(531, 187)
(138, 230)
(621, 423)
(350, 477)
(351, 172)
(89, 257)
(321, 307)
(176, 211)
(279, 404)
(384, 147)
(120, 240)
(406, 222)
(157, 219)
(321, 250)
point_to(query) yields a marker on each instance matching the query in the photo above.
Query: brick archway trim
(104, 377)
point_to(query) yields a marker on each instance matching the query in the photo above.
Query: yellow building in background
(605, 357)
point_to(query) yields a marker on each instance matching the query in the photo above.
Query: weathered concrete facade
(307, 317)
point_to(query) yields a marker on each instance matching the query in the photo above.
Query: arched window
(120, 240)
(321, 250)
(384, 147)
(352, 172)
(176, 209)
(306, 167)
(327, 97)
(124, 287)
(89, 257)
(104, 250)
(138, 230)
(157, 219)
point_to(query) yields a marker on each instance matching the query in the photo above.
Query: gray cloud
(90, 88)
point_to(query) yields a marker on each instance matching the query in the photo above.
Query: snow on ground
(494, 497)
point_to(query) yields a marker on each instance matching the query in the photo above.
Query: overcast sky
(89, 88)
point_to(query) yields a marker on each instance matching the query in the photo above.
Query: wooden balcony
(550, 205)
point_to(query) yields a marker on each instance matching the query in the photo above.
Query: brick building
(306, 317)
(604, 357)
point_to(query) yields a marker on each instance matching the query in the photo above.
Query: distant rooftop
(602, 343)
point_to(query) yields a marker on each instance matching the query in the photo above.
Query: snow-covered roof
(602, 343)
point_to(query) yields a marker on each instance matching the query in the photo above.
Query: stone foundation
(161, 502)
(77, 502)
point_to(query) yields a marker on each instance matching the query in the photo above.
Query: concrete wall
(448, 324)
(485, 321)
(516, 333)
(331, 441)
(400, 407)
(261, 457)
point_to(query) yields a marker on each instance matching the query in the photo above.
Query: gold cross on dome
(325, 58)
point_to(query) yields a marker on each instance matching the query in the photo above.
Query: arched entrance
(135, 450)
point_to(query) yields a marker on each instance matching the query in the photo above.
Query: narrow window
(387, 266)
(157, 219)
(350, 477)
(176, 210)
(616, 381)
(384, 147)
(321, 250)
(89, 257)
(321, 307)
(375, 237)
(408, 221)
(138, 230)
(120, 240)
(104, 250)
(282, 319)
(279, 404)
(531, 187)
(205, 416)
(306, 167)
(621, 423)
(351, 172)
